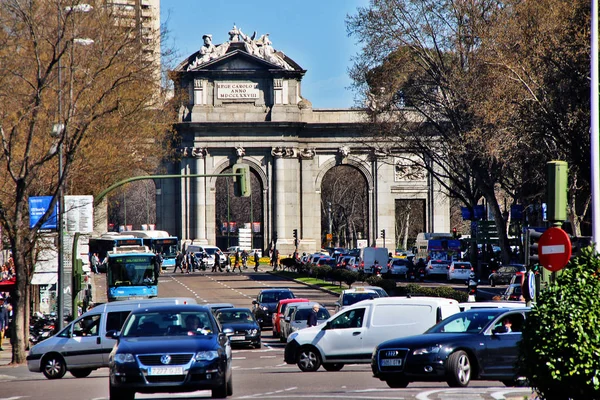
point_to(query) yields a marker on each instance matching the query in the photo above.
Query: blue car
(241, 327)
(466, 346)
(168, 349)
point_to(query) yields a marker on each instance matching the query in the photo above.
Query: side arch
(352, 161)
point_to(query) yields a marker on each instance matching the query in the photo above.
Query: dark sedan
(466, 346)
(265, 304)
(169, 349)
(505, 274)
(241, 327)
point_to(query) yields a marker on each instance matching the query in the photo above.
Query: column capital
(307, 153)
(283, 152)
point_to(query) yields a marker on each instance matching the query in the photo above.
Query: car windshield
(467, 322)
(274, 297)
(168, 323)
(210, 251)
(351, 298)
(233, 316)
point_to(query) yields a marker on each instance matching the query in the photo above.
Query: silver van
(82, 346)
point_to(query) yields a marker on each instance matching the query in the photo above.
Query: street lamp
(58, 131)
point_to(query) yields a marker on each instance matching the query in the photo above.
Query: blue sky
(311, 32)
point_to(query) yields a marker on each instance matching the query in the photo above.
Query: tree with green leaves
(560, 349)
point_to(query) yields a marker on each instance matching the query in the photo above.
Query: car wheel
(119, 393)
(220, 392)
(257, 345)
(397, 383)
(81, 373)
(309, 359)
(492, 282)
(458, 369)
(54, 367)
(230, 386)
(332, 367)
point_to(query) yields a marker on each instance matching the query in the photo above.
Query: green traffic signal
(242, 182)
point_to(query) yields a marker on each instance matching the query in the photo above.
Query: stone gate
(243, 104)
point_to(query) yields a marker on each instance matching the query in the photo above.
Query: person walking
(178, 262)
(313, 316)
(95, 261)
(274, 255)
(3, 320)
(236, 263)
(256, 260)
(245, 259)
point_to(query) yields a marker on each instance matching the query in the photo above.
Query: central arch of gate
(242, 103)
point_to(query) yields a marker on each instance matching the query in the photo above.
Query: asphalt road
(258, 373)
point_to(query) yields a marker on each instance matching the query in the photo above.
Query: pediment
(236, 60)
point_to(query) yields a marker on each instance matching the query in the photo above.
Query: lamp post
(58, 131)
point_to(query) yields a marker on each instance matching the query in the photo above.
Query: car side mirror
(112, 334)
(326, 326)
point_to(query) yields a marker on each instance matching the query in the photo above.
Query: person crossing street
(256, 260)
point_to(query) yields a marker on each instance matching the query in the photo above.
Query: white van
(351, 335)
(82, 346)
(374, 256)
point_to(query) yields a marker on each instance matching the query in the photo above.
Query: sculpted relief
(261, 47)
(408, 170)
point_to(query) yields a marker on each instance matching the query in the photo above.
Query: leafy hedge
(440, 291)
(560, 348)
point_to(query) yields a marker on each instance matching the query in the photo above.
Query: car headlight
(206, 355)
(426, 350)
(254, 332)
(123, 358)
(264, 308)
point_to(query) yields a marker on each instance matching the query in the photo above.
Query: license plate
(165, 371)
(238, 338)
(391, 363)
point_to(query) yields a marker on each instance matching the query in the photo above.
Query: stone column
(279, 192)
(199, 196)
(185, 194)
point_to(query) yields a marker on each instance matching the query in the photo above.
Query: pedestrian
(178, 262)
(313, 316)
(274, 256)
(95, 261)
(160, 260)
(256, 260)
(245, 259)
(216, 265)
(3, 320)
(236, 263)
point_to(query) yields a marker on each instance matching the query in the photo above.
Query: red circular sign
(554, 249)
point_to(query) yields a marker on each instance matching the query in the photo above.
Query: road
(258, 373)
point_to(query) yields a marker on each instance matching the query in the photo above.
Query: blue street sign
(516, 212)
(479, 211)
(466, 213)
(37, 208)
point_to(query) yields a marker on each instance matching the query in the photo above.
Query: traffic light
(454, 233)
(532, 237)
(383, 234)
(242, 182)
(77, 276)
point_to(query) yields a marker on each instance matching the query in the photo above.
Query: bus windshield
(131, 270)
(168, 247)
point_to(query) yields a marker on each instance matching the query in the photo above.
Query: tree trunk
(18, 349)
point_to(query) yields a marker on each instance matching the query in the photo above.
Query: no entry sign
(554, 249)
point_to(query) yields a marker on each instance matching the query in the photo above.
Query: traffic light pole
(106, 191)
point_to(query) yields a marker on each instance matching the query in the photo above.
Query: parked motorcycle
(41, 327)
(472, 287)
(421, 274)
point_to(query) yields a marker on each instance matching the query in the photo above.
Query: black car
(239, 324)
(165, 349)
(265, 304)
(466, 346)
(505, 274)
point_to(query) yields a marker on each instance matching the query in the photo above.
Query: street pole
(58, 129)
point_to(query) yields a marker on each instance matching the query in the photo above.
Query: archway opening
(239, 221)
(344, 207)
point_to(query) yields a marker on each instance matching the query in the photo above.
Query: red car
(278, 314)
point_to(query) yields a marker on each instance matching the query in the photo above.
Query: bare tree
(86, 73)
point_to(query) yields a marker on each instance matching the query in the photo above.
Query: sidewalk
(6, 355)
